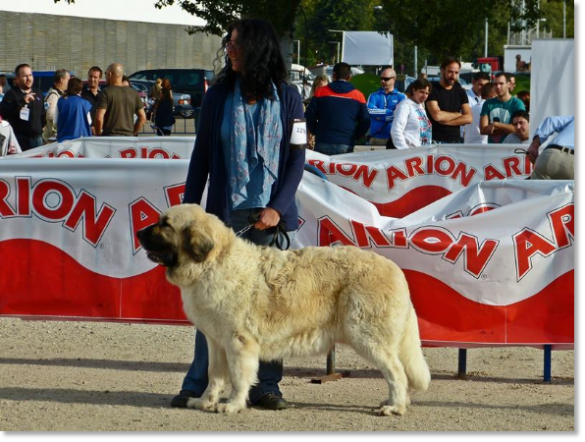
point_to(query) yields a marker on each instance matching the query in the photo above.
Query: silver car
(181, 102)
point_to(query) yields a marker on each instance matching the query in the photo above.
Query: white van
(296, 78)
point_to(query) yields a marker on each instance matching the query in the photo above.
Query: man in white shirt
(471, 133)
(556, 162)
(60, 81)
(474, 94)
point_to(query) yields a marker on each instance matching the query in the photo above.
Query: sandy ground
(76, 376)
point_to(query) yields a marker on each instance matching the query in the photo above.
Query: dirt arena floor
(83, 376)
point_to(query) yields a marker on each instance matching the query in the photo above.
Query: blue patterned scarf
(254, 146)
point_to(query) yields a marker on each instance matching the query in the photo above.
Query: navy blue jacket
(207, 159)
(337, 114)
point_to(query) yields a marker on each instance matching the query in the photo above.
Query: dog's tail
(411, 356)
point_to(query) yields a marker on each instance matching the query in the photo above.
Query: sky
(127, 10)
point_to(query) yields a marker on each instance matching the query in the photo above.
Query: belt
(562, 149)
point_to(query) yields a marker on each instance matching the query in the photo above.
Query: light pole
(564, 18)
(538, 26)
(338, 44)
(485, 51)
(298, 51)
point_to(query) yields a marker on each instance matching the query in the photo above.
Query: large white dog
(257, 303)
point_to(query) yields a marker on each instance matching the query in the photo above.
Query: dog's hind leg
(217, 374)
(398, 400)
(243, 357)
(387, 361)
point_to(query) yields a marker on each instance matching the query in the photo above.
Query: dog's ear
(197, 244)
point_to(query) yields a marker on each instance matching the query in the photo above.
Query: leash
(280, 238)
(244, 230)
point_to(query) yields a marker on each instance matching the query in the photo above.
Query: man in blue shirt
(381, 106)
(557, 160)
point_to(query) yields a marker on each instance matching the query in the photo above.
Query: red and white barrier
(490, 263)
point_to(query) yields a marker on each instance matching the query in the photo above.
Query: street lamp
(338, 44)
(298, 51)
(538, 26)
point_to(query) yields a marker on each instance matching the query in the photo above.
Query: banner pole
(462, 372)
(547, 363)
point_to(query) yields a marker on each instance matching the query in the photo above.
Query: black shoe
(271, 401)
(180, 400)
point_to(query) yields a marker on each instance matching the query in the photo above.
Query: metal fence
(183, 126)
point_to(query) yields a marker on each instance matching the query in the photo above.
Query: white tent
(552, 83)
(367, 48)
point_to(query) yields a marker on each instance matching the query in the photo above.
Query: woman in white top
(411, 126)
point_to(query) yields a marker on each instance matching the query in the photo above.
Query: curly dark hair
(263, 61)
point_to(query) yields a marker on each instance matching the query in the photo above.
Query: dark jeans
(27, 143)
(454, 141)
(162, 132)
(332, 149)
(269, 373)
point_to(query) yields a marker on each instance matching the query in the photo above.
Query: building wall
(49, 42)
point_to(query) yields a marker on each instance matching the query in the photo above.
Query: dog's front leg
(243, 357)
(217, 374)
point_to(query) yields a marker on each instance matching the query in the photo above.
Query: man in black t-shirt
(447, 105)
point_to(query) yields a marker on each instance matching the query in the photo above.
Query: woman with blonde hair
(319, 81)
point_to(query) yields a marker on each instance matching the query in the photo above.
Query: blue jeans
(332, 149)
(269, 373)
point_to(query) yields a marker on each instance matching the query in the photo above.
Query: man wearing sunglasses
(381, 106)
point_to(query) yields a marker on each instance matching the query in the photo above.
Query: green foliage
(318, 17)
(552, 11)
(522, 83)
(366, 83)
(219, 14)
(437, 27)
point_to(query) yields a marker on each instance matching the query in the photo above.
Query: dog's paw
(389, 410)
(200, 404)
(229, 408)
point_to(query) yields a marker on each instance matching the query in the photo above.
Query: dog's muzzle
(156, 252)
(165, 259)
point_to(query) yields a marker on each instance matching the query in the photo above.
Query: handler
(244, 145)
(557, 160)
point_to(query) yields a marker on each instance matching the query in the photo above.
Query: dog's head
(184, 235)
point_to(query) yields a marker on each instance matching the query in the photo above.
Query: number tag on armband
(298, 137)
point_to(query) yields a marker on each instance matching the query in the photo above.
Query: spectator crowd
(71, 110)
(338, 116)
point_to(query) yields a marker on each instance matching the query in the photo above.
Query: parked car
(328, 70)
(194, 82)
(181, 101)
(141, 93)
(403, 81)
(44, 80)
(9, 81)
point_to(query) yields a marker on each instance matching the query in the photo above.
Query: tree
(321, 16)
(553, 13)
(457, 27)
